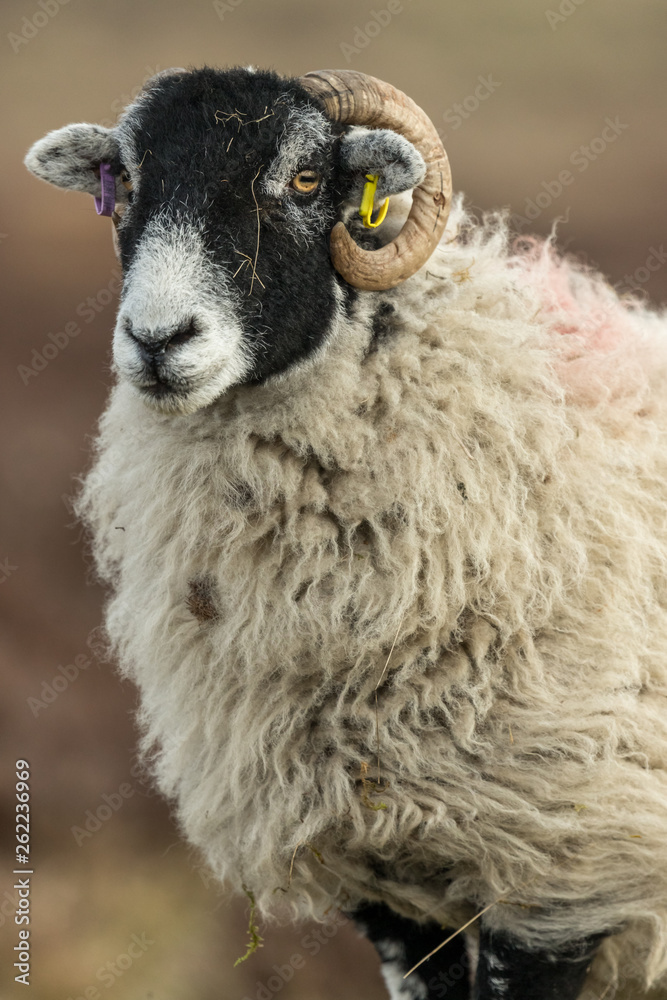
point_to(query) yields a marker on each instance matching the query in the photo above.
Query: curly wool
(482, 480)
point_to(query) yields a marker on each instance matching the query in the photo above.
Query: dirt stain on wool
(202, 599)
(369, 788)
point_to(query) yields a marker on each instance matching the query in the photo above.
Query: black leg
(508, 971)
(401, 943)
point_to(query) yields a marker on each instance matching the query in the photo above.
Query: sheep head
(232, 192)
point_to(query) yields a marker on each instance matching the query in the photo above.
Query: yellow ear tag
(367, 200)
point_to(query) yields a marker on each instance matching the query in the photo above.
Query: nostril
(182, 335)
(155, 343)
(143, 340)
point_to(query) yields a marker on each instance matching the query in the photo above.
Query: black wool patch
(405, 942)
(507, 969)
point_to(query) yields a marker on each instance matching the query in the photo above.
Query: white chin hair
(181, 401)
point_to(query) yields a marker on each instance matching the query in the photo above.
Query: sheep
(392, 573)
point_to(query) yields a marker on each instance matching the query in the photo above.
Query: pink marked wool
(602, 333)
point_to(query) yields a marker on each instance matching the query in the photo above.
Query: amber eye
(306, 181)
(126, 180)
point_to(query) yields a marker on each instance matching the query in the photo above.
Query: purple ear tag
(106, 204)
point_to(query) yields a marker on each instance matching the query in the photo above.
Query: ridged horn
(353, 98)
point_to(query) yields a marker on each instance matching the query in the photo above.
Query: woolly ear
(398, 163)
(70, 157)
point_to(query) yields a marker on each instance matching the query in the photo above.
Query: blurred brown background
(534, 84)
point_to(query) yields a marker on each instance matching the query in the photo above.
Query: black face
(249, 160)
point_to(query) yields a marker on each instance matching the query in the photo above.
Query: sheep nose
(154, 344)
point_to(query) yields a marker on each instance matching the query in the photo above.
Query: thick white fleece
(485, 481)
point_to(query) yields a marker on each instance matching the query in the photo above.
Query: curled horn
(356, 99)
